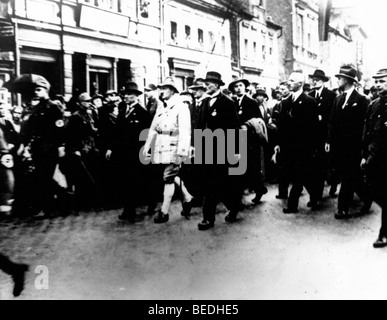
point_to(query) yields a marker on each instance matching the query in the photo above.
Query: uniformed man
(83, 153)
(297, 141)
(374, 161)
(44, 138)
(218, 113)
(325, 99)
(132, 120)
(247, 110)
(16, 271)
(345, 141)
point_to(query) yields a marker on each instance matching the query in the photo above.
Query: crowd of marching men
(61, 157)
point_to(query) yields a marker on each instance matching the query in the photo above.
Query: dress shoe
(380, 243)
(282, 197)
(161, 218)
(231, 218)
(366, 209)
(290, 211)
(18, 277)
(187, 208)
(313, 205)
(151, 210)
(206, 225)
(342, 215)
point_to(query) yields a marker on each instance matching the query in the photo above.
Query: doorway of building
(99, 81)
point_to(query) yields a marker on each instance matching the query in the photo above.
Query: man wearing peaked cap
(45, 137)
(374, 152)
(325, 99)
(345, 141)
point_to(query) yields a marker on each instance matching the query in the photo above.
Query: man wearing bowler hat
(131, 121)
(374, 161)
(325, 99)
(248, 109)
(217, 113)
(345, 141)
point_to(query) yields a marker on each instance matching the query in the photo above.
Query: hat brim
(133, 91)
(160, 86)
(346, 76)
(379, 76)
(220, 82)
(232, 84)
(325, 79)
(197, 87)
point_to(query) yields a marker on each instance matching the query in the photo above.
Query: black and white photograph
(176, 151)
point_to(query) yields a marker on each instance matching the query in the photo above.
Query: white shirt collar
(215, 95)
(319, 91)
(349, 94)
(297, 94)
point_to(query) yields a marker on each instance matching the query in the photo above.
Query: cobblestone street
(267, 255)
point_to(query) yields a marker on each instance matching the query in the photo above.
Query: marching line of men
(317, 137)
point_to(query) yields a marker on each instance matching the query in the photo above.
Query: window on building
(300, 30)
(200, 36)
(246, 48)
(113, 5)
(255, 49)
(173, 31)
(223, 45)
(212, 39)
(309, 40)
(187, 32)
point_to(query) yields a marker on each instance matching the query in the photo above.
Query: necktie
(343, 100)
(317, 95)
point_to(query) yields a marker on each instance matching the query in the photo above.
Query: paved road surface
(267, 255)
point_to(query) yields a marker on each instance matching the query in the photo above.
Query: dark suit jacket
(221, 115)
(129, 128)
(346, 126)
(247, 110)
(297, 124)
(324, 108)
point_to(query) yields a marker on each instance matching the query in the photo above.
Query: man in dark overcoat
(297, 132)
(44, 137)
(218, 112)
(325, 99)
(132, 120)
(248, 109)
(345, 141)
(374, 161)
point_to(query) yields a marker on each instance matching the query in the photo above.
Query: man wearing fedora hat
(374, 161)
(325, 99)
(132, 119)
(218, 113)
(345, 141)
(248, 109)
(198, 90)
(170, 134)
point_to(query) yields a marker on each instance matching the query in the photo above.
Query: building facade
(83, 45)
(299, 45)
